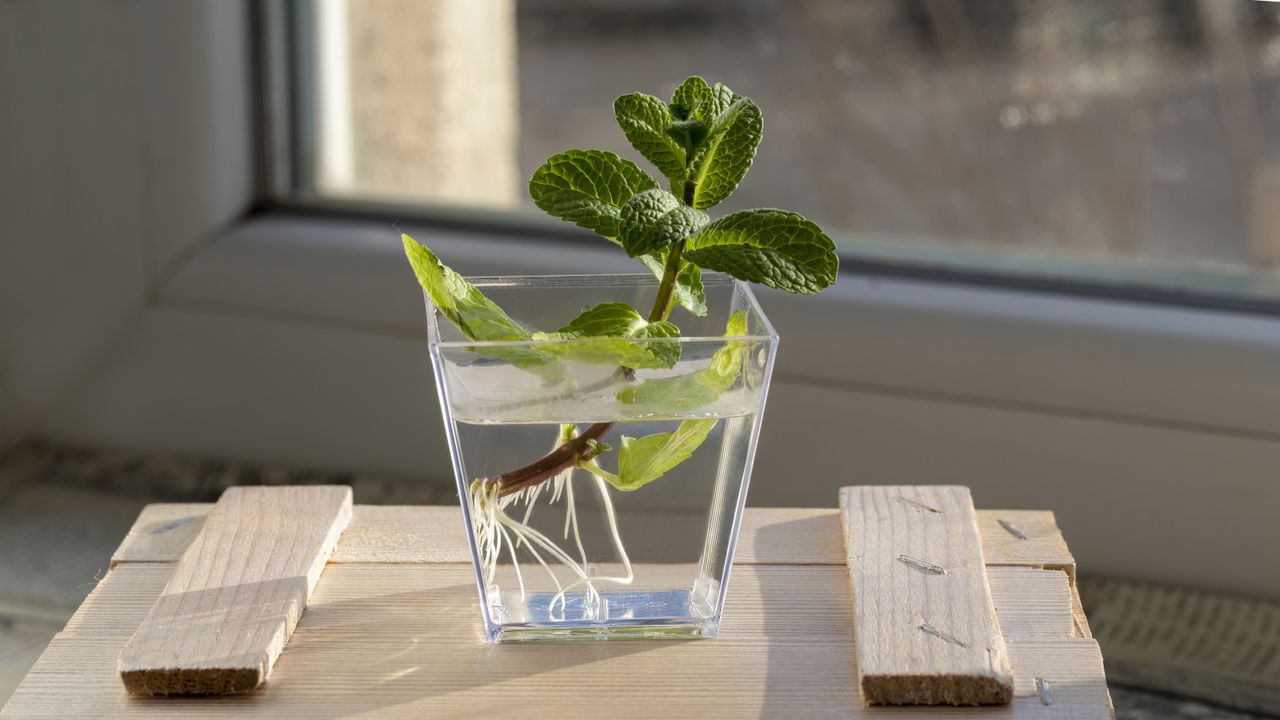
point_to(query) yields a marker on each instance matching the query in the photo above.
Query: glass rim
(597, 280)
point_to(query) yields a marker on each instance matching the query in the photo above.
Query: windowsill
(1135, 362)
(300, 341)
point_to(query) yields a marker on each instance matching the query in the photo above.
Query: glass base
(619, 614)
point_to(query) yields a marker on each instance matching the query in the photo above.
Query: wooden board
(236, 594)
(927, 632)
(387, 640)
(435, 534)
(1028, 538)
(391, 636)
(1032, 602)
(801, 536)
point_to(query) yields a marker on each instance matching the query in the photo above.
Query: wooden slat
(1062, 675)
(1025, 537)
(235, 595)
(402, 641)
(926, 626)
(1077, 614)
(1031, 602)
(434, 534)
(377, 533)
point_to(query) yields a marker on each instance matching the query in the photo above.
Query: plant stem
(571, 452)
(662, 305)
(549, 465)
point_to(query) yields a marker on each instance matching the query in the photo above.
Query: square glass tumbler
(603, 501)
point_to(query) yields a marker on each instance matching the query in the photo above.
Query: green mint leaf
(777, 248)
(608, 319)
(614, 333)
(476, 316)
(643, 460)
(688, 96)
(689, 133)
(722, 161)
(678, 394)
(694, 98)
(588, 188)
(691, 391)
(655, 219)
(644, 119)
(689, 291)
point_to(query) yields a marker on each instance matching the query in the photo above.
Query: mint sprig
(703, 141)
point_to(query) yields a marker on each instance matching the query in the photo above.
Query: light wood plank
(163, 531)
(926, 626)
(1077, 614)
(1061, 675)
(1025, 537)
(1031, 602)
(434, 533)
(236, 594)
(402, 641)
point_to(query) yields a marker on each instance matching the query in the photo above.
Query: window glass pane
(1134, 140)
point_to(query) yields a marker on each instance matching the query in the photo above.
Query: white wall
(123, 144)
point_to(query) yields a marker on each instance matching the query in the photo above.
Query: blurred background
(1059, 224)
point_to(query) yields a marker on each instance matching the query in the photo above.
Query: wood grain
(385, 640)
(397, 637)
(435, 534)
(926, 626)
(236, 594)
(1025, 537)
(1031, 602)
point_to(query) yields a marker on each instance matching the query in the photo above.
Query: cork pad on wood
(926, 628)
(237, 592)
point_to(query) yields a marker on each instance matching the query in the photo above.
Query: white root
(495, 529)
(514, 563)
(571, 519)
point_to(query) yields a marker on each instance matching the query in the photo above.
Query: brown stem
(549, 465)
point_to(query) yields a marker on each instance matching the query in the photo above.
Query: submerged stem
(549, 465)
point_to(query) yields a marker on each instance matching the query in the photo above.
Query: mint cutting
(703, 141)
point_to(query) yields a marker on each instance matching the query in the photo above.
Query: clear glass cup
(571, 555)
